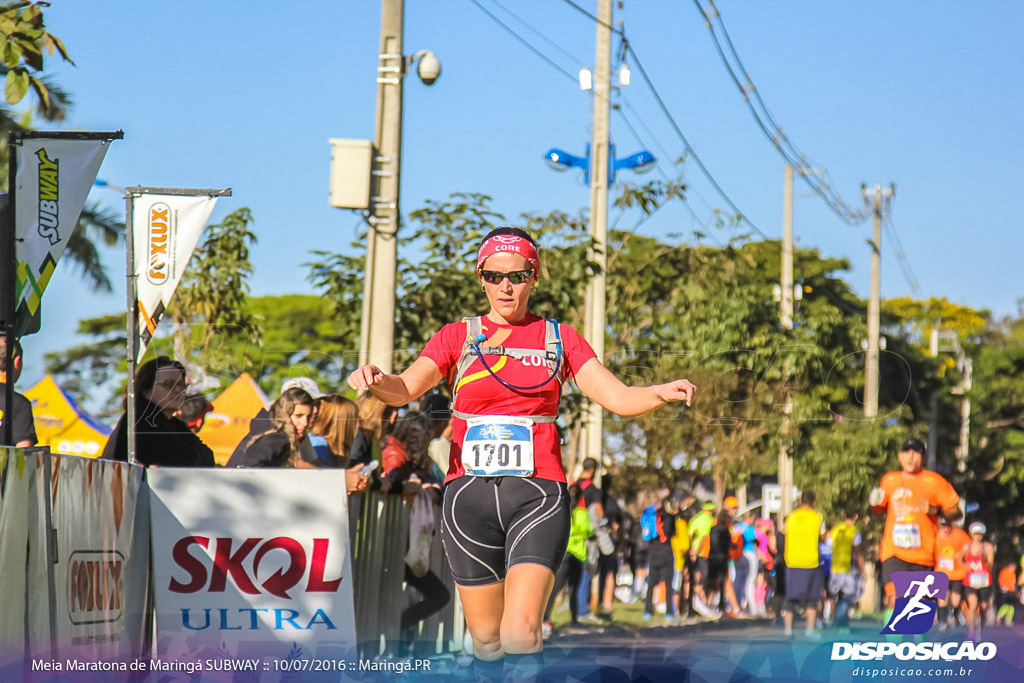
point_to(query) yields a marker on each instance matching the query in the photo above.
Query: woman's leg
(972, 611)
(483, 607)
(527, 587)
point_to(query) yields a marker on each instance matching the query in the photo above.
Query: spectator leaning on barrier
(436, 408)
(331, 436)
(277, 443)
(375, 420)
(160, 438)
(408, 469)
(23, 433)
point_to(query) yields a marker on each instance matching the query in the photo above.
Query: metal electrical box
(351, 163)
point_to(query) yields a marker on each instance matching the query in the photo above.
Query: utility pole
(966, 366)
(377, 332)
(599, 162)
(933, 403)
(871, 367)
(786, 318)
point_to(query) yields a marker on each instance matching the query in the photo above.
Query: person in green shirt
(847, 581)
(700, 529)
(570, 573)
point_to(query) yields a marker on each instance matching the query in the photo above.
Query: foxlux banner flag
(166, 229)
(54, 178)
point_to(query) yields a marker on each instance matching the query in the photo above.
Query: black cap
(914, 445)
(589, 464)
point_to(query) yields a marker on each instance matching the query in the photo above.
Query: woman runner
(506, 508)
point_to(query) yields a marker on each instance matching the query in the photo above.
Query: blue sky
(246, 95)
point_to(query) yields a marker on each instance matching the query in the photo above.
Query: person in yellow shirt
(681, 550)
(699, 530)
(847, 581)
(805, 582)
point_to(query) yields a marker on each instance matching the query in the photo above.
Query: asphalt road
(742, 651)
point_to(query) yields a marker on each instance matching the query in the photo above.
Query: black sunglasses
(516, 277)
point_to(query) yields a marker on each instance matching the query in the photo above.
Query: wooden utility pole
(599, 165)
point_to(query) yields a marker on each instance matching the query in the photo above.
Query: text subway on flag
(54, 178)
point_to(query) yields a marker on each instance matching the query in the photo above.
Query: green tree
(211, 301)
(24, 45)
(299, 338)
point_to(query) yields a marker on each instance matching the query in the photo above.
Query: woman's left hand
(679, 390)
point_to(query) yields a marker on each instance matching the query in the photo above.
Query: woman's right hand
(365, 377)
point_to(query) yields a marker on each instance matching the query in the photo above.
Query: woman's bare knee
(521, 634)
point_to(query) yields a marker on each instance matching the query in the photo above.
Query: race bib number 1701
(498, 446)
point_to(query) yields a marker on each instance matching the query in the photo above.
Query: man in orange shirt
(912, 500)
(948, 543)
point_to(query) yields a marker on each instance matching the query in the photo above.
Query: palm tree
(96, 225)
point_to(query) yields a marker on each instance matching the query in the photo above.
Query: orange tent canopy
(228, 423)
(61, 425)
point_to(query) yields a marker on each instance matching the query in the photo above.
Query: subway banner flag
(165, 231)
(54, 178)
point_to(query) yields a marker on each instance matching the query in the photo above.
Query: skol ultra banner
(53, 180)
(250, 564)
(166, 229)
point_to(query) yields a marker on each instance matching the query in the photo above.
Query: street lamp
(560, 160)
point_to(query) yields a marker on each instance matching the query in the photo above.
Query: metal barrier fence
(98, 514)
(379, 533)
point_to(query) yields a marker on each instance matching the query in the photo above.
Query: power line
(627, 48)
(553, 43)
(766, 122)
(668, 115)
(901, 257)
(525, 42)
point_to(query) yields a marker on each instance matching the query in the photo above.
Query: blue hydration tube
(475, 343)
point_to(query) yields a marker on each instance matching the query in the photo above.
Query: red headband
(510, 243)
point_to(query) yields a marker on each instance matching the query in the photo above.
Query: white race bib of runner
(905, 535)
(498, 446)
(978, 580)
(945, 564)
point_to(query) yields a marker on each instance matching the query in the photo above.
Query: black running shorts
(492, 523)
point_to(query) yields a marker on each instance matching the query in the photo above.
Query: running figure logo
(914, 612)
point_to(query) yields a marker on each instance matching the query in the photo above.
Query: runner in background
(912, 499)
(847, 581)
(1007, 599)
(948, 544)
(681, 552)
(748, 565)
(700, 545)
(805, 528)
(662, 560)
(979, 557)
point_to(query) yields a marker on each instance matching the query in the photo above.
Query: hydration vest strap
(474, 328)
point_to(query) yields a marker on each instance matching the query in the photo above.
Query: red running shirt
(481, 394)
